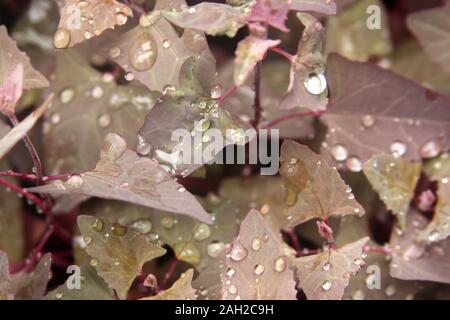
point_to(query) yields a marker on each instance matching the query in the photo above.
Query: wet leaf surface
(180, 290)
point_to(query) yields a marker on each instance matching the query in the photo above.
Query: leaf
(11, 226)
(257, 264)
(274, 80)
(395, 180)
(11, 56)
(327, 7)
(80, 21)
(88, 106)
(250, 51)
(410, 61)
(11, 91)
(117, 252)
(154, 48)
(373, 111)
(439, 227)
(178, 132)
(272, 12)
(438, 168)
(348, 34)
(20, 130)
(432, 29)
(5, 280)
(92, 288)
(308, 87)
(212, 18)
(326, 275)
(122, 175)
(27, 286)
(418, 261)
(180, 290)
(313, 189)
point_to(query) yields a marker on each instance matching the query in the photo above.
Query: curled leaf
(250, 51)
(257, 264)
(19, 131)
(395, 180)
(122, 175)
(180, 290)
(83, 20)
(326, 275)
(313, 189)
(117, 252)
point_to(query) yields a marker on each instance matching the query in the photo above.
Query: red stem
(27, 195)
(285, 54)
(228, 93)
(169, 273)
(23, 176)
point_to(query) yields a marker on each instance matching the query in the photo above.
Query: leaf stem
(32, 150)
(169, 273)
(29, 196)
(228, 93)
(23, 176)
(283, 53)
(257, 103)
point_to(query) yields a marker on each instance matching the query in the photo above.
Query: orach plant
(94, 191)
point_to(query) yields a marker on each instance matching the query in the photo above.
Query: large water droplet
(143, 52)
(215, 249)
(239, 252)
(216, 91)
(431, 149)
(143, 148)
(339, 152)
(115, 52)
(326, 285)
(75, 182)
(315, 83)
(398, 149)
(280, 264)
(121, 18)
(142, 226)
(98, 225)
(202, 232)
(354, 164)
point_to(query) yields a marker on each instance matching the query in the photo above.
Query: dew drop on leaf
(93, 262)
(230, 272)
(98, 225)
(114, 52)
(143, 52)
(143, 148)
(75, 182)
(239, 252)
(66, 95)
(326, 285)
(202, 232)
(104, 120)
(354, 164)
(256, 244)
(215, 249)
(280, 264)
(142, 226)
(315, 83)
(87, 239)
(368, 120)
(166, 44)
(326, 266)
(118, 229)
(232, 289)
(431, 149)
(258, 269)
(216, 91)
(121, 18)
(61, 39)
(339, 152)
(398, 149)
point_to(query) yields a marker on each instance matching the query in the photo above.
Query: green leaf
(313, 189)
(180, 290)
(92, 288)
(395, 180)
(117, 252)
(326, 275)
(348, 35)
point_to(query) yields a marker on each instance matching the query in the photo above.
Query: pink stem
(27, 195)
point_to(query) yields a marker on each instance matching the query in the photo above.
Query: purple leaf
(273, 12)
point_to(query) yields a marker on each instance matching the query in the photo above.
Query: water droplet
(61, 39)
(118, 229)
(390, 291)
(358, 295)
(93, 262)
(192, 10)
(97, 92)
(315, 83)
(398, 149)
(181, 189)
(58, 295)
(339, 152)
(66, 95)
(215, 249)
(75, 182)
(433, 236)
(166, 44)
(104, 120)
(143, 148)
(121, 18)
(431, 149)
(203, 125)
(239, 252)
(55, 118)
(168, 89)
(256, 244)
(280, 264)
(202, 232)
(326, 285)
(143, 52)
(216, 91)
(115, 52)
(354, 164)
(265, 209)
(326, 266)
(129, 76)
(98, 225)
(232, 289)
(87, 239)
(87, 35)
(258, 269)
(142, 226)
(358, 262)
(230, 272)
(167, 222)
(368, 120)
